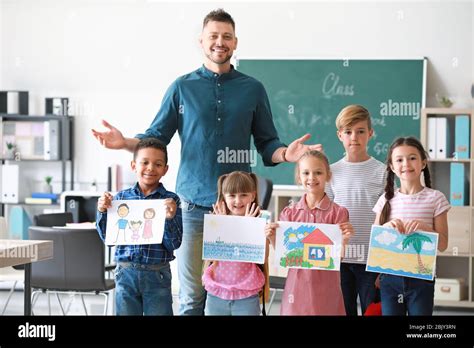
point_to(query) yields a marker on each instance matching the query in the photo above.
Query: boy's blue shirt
(147, 253)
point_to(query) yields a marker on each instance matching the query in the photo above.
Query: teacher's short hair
(218, 15)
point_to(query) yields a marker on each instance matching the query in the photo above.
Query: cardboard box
(448, 289)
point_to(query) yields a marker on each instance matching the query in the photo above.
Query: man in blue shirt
(215, 110)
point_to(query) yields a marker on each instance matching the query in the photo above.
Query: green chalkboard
(307, 95)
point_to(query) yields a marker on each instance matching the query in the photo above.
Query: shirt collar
(324, 204)
(211, 75)
(160, 190)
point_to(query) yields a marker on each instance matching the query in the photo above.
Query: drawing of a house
(317, 248)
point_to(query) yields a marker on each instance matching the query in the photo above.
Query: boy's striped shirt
(357, 186)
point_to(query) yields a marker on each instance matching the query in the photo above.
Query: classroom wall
(114, 59)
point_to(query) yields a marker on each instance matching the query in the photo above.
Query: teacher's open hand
(112, 138)
(296, 149)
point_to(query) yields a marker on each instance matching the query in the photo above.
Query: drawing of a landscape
(308, 246)
(234, 238)
(218, 250)
(408, 255)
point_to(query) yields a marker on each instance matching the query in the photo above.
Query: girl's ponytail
(427, 176)
(389, 193)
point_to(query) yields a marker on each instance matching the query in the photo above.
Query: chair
(265, 189)
(8, 274)
(61, 219)
(50, 220)
(78, 265)
(276, 284)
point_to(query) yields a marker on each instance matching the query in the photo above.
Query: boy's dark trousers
(356, 281)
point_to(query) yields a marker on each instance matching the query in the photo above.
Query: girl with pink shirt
(412, 207)
(234, 288)
(313, 292)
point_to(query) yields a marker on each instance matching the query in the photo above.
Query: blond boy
(356, 184)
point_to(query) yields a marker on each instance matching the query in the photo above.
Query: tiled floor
(94, 305)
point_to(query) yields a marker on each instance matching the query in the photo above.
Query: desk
(23, 252)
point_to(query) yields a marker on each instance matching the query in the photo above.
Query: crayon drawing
(408, 255)
(132, 222)
(234, 238)
(308, 246)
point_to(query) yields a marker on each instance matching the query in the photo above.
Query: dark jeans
(356, 281)
(143, 289)
(402, 295)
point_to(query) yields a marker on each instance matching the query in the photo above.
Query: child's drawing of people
(122, 223)
(135, 227)
(148, 214)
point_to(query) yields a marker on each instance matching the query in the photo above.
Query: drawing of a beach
(409, 255)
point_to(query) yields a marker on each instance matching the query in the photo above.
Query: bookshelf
(61, 153)
(457, 261)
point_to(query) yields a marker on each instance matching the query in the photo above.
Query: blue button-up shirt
(147, 253)
(215, 115)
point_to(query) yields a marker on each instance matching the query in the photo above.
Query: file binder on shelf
(442, 138)
(458, 185)
(461, 137)
(18, 223)
(431, 137)
(51, 140)
(13, 191)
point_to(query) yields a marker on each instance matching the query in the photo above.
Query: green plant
(10, 145)
(48, 180)
(444, 101)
